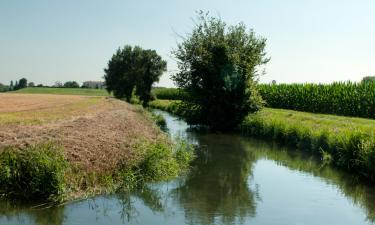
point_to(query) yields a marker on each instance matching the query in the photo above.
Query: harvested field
(96, 132)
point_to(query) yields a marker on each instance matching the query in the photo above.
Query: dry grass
(96, 132)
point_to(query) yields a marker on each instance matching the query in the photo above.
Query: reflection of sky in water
(234, 180)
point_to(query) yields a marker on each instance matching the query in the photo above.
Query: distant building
(94, 84)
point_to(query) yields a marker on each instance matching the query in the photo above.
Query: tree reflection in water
(218, 188)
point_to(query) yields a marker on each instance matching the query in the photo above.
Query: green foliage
(348, 99)
(160, 161)
(217, 68)
(349, 146)
(131, 68)
(368, 79)
(4, 88)
(71, 84)
(169, 93)
(22, 83)
(36, 172)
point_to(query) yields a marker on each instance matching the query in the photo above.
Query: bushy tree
(133, 68)
(71, 84)
(31, 84)
(218, 69)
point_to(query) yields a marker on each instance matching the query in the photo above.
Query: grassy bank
(346, 142)
(63, 91)
(100, 145)
(41, 172)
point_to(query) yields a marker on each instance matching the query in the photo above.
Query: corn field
(341, 98)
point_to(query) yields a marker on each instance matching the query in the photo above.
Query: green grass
(348, 143)
(169, 93)
(37, 172)
(63, 91)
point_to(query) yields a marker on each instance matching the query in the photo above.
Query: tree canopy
(71, 84)
(218, 69)
(133, 68)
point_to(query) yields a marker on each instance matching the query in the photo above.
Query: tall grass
(169, 93)
(37, 172)
(340, 98)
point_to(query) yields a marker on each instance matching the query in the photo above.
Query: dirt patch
(97, 139)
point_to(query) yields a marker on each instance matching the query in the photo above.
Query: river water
(234, 180)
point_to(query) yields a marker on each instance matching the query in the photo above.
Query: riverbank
(346, 142)
(60, 147)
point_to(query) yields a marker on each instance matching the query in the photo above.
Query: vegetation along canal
(234, 180)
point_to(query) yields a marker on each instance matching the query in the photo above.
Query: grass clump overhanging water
(37, 172)
(160, 161)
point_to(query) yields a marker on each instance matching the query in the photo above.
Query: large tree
(150, 69)
(133, 68)
(218, 69)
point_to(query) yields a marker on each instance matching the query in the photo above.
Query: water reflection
(218, 188)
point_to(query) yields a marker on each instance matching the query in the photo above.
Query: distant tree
(11, 86)
(133, 68)
(31, 84)
(218, 69)
(58, 84)
(22, 83)
(40, 85)
(71, 84)
(368, 79)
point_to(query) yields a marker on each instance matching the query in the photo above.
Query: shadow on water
(223, 187)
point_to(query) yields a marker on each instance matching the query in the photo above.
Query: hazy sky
(307, 40)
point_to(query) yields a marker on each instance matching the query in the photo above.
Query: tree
(58, 84)
(22, 83)
(31, 84)
(218, 69)
(133, 67)
(152, 67)
(71, 84)
(11, 86)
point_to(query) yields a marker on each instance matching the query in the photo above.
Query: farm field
(99, 137)
(63, 91)
(92, 130)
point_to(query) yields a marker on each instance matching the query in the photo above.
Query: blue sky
(307, 40)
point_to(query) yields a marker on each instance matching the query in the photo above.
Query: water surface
(235, 180)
